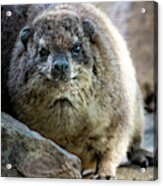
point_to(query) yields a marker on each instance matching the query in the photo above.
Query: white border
(56, 182)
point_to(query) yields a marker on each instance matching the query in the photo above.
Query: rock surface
(135, 173)
(31, 155)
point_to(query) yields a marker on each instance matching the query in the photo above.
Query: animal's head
(58, 44)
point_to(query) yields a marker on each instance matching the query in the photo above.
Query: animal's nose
(61, 66)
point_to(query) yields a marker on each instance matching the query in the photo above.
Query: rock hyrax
(71, 78)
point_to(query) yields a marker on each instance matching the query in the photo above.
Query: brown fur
(97, 112)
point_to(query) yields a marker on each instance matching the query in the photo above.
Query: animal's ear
(24, 35)
(89, 28)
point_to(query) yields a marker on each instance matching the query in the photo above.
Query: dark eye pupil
(44, 52)
(76, 49)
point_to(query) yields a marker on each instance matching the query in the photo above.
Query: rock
(31, 155)
(135, 173)
(150, 133)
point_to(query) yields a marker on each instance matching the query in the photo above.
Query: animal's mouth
(62, 102)
(60, 79)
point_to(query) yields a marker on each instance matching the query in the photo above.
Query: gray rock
(150, 133)
(31, 155)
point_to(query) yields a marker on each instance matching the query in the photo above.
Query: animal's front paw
(105, 171)
(90, 174)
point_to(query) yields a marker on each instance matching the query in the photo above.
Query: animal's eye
(44, 52)
(76, 50)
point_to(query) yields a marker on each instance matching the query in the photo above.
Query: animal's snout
(60, 66)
